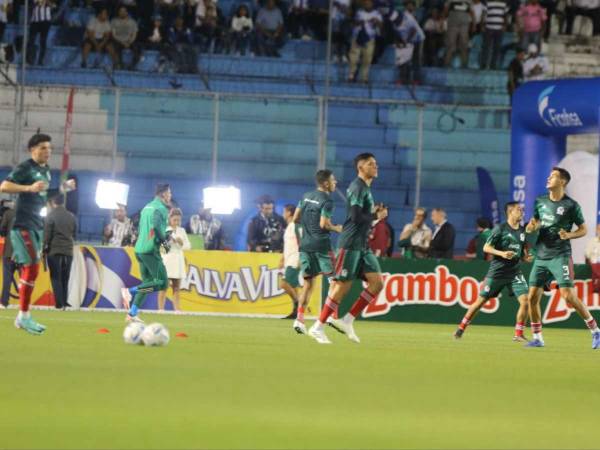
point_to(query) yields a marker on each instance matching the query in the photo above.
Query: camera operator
(265, 232)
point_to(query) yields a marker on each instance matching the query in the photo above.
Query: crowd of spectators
(423, 32)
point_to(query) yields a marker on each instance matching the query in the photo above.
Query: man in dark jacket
(59, 238)
(9, 267)
(442, 243)
(265, 232)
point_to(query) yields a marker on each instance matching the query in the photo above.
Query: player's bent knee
(375, 286)
(29, 273)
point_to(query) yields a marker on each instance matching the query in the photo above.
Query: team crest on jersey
(486, 289)
(522, 237)
(560, 210)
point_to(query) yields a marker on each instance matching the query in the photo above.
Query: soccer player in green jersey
(30, 181)
(152, 235)
(354, 259)
(314, 213)
(554, 216)
(506, 243)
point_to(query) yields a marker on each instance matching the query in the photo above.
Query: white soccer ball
(133, 333)
(155, 335)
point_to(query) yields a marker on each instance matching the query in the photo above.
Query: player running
(554, 216)
(354, 259)
(30, 180)
(314, 213)
(506, 242)
(152, 235)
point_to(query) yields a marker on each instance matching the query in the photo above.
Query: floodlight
(222, 199)
(111, 194)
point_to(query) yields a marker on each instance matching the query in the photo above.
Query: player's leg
(537, 279)
(154, 278)
(26, 250)
(521, 320)
(289, 283)
(175, 283)
(305, 294)
(469, 316)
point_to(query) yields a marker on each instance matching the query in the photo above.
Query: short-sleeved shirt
(314, 205)
(496, 13)
(408, 30)
(555, 216)
(458, 12)
(533, 17)
(97, 28)
(291, 255)
(30, 204)
(269, 19)
(367, 18)
(123, 29)
(506, 238)
(356, 236)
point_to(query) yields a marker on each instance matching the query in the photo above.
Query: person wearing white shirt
(174, 260)
(290, 260)
(241, 30)
(536, 66)
(416, 236)
(367, 26)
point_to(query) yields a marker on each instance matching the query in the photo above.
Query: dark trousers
(9, 267)
(571, 12)
(433, 43)
(35, 29)
(492, 40)
(60, 270)
(2, 28)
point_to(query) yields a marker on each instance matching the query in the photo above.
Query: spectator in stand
(536, 66)
(169, 11)
(380, 239)
(299, 19)
(5, 10)
(265, 231)
(269, 30)
(592, 257)
(60, 228)
(495, 25)
(531, 20)
(155, 40)
(118, 233)
(475, 246)
(435, 31)
(550, 7)
(386, 36)
(180, 49)
(415, 238)
(341, 29)
(131, 7)
(319, 18)
(516, 76)
(40, 21)
(408, 37)
(210, 228)
(241, 31)
(124, 32)
(290, 259)
(460, 20)
(585, 8)
(9, 267)
(367, 25)
(97, 37)
(479, 10)
(174, 260)
(442, 241)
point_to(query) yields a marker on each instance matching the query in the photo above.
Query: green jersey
(152, 228)
(480, 241)
(506, 238)
(555, 216)
(315, 205)
(30, 204)
(355, 236)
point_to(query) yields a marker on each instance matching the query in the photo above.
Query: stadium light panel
(222, 199)
(111, 194)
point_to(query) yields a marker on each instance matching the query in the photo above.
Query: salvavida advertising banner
(439, 291)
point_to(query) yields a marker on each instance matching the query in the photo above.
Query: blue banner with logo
(544, 113)
(488, 196)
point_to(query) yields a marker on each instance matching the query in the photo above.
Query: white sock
(24, 315)
(538, 336)
(595, 330)
(318, 325)
(349, 318)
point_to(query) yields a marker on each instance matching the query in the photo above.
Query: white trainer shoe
(126, 296)
(333, 323)
(348, 329)
(130, 319)
(318, 334)
(299, 327)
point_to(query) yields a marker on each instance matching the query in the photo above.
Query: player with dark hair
(354, 259)
(30, 180)
(152, 235)
(554, 215)
(507, 244)
(314, 213)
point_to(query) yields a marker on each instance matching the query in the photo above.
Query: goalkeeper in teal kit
(152, 235)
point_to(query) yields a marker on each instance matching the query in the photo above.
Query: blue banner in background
(488, 196)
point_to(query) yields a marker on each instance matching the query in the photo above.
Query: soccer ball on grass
(155, 335)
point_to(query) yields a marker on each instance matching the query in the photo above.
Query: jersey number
(566, 272)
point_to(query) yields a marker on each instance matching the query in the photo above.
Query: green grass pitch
(253, 383)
